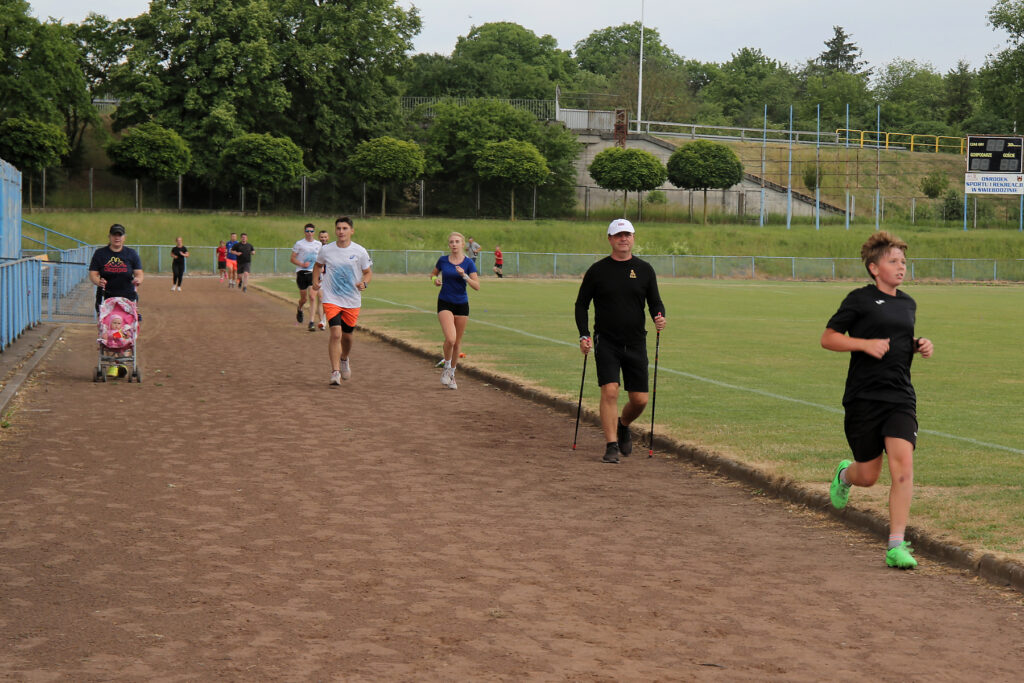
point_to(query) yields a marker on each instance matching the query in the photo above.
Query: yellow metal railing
(915, 142)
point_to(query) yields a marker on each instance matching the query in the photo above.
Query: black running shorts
(304, 279)
(456, 309)
(868, 423)
(631, 359)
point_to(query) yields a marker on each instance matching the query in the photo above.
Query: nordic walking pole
(654, 394)
(579, 406)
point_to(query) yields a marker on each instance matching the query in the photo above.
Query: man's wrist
(585, 336)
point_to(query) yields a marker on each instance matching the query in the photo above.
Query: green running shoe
(900, 557)
(838, 491)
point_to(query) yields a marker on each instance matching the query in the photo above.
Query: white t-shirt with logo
(343, 268)
(306, 252)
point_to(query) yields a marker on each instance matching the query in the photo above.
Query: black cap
(116, 229)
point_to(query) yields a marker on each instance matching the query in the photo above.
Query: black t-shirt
(244, 251)
(180, 253)
(868, 313)
(619, 290)
(118, 269)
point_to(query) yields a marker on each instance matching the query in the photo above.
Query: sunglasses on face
(310, 231)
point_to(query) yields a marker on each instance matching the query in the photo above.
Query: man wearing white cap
(619, 285)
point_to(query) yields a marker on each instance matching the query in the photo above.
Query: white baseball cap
(620, 225)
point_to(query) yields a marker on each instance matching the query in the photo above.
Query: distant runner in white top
(304, 256)
(346, 269)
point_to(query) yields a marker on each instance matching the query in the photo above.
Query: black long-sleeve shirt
(619, 290)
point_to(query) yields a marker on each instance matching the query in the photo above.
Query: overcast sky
(940, 32)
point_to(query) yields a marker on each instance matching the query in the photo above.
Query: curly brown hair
(877, 246)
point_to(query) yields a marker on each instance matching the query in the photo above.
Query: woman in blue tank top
(452, 273)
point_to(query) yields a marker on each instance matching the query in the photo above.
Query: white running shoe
(336, 377)
(451, 379)
(322, 324)
(446, 377)
(346, 371)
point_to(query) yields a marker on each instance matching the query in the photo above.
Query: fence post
(713, 264)
(179, 192)
(753, 271)
(586, 203)
(913, 210)
(136, 194)
(422, 210)
(953, 270)
(555, 266)
(407, 260)
(793, 265)
(275, 261)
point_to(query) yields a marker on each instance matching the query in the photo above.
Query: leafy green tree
(952, 205)
(704, 165)
(842, 54)
(628, 170)
(262, 162)
(934, 184)
(833, 92)
(340, 62)
(909, 92)
(102, 44)
(31, 145)
(607, 51)
(749, 81)
(505, 60)
(1001, 79)
(456, 134)
(514, 162)
(429, 75)
(810, 177)
(40, 74)
(386, 160)
(150, 151)
(961, 93)
(204, 68)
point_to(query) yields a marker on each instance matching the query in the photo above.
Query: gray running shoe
(611, 453)
(346, 371)
(336, 377)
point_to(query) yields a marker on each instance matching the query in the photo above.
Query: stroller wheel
(96, 376)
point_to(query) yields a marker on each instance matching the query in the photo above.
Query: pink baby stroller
(118, 340)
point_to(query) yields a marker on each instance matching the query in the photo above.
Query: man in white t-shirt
(304, 256)
(346, 269)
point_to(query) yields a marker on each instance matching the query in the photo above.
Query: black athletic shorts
(304, 279)
(867, 424)
(631, 359)
(456, 309)
(244, 267)
(336, 321)
(222, 265)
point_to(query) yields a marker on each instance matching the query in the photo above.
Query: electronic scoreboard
(992, 154)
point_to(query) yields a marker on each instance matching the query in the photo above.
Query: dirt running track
(235, 518)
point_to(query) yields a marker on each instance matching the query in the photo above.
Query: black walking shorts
(610, 357)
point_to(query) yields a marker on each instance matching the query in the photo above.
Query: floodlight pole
(640, 84)
(764, 145)
(789, 174)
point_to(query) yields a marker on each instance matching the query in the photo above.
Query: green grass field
(561, 236)
(741, 373)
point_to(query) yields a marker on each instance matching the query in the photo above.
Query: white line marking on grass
(726, 385)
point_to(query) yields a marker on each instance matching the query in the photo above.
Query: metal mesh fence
(271, 261)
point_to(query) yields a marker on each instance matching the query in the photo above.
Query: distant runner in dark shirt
(619, 285)
(243, 250)
(179, 252)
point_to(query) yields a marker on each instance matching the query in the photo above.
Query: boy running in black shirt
(876, 325)
(619, 285)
